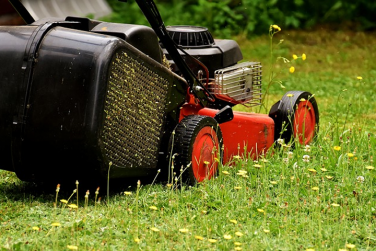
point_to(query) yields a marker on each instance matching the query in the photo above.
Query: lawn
(317, 197)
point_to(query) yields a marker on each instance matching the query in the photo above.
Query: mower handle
(151, 13)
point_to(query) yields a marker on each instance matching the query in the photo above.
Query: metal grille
(134, 110)
(241, 82)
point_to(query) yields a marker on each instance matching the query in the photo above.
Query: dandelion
(137, 240)
(337, 148)
(266, 231)
(302, 100)
(310, 249)
(239, 234)
(56, 224)
(154, 229)
(276, 27)
(198, 237)
(306, 158)
(312, 170)
(236, 243)
(323, 169)
(329, 177)
(295, 57)
(260, 211)
(304, 56)
(74, 206)
(238, 248)
(335, 205)
(153, 208)
(350, 155)
(227, 237)
(370, 167)
(234, 221)
(315, 188)
(350, 246)
(71, 247)
(290, 94)
(360, 179)
(258, 166)
(292, 69)
(359, 77)
(64, 201)
(273, 182)
(237, 188)
(183, 230)
(204, 212)
(36, 228)
(169, 185)
(212, 240)
(127, 193)
(242, 171)
(225, 172)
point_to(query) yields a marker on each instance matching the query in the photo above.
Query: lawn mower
(85, 98)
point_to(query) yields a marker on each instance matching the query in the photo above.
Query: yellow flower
(242, 171)
(266, 231)
(127, 193)
(225, 172)
(312, 170)
(295, 57)
(204, 212)
(276, 27)
(302, 100)
(236, 243)
(234, 221)
(64, 201)
(71, 247)
(350, 155)
(329, 177)
(273, 182)
(335, 205)
(257, 166)
(169, 185)
(290, 95)
(36, 228)
(74, 206)
(238, 248)
(227, 237)
(153, 208)
(315, 188)
(324, 169)
(337, 148)
(154, 229)
(292, 69)
(304, 56)
(200, 238)
(310, 249)
(350, 246)
(342, 249)
(370, 167)
(183, 230)
(359, 77)
(239, 234)
(260, 210)
(237, 188)
(137, 240)
(56, 224)
(212, 240)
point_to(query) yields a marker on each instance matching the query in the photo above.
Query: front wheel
(296, 115)
(197, 144)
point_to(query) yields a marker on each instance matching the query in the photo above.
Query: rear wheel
(197, 144)
(296, 115)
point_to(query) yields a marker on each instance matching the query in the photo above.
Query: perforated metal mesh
(134, 109)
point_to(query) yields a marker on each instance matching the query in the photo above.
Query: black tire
(296, 115)
(194, 140)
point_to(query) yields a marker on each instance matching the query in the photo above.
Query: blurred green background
(226, 18)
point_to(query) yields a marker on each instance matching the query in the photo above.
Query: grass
(327, 203)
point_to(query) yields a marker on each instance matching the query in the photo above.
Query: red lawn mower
(78, 94)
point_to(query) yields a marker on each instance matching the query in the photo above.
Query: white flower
(295, 166)
(286, 160)
(360, 179)
(306, 158)
(290, 155)
(280, 141)
(307, 148)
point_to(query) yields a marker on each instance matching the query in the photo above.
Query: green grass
(273, 207)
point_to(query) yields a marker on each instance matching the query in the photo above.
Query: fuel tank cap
(190, 36)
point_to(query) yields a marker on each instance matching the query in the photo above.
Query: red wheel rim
(304, 122)
(203, 155)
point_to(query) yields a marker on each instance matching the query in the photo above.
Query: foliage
(229, 17)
